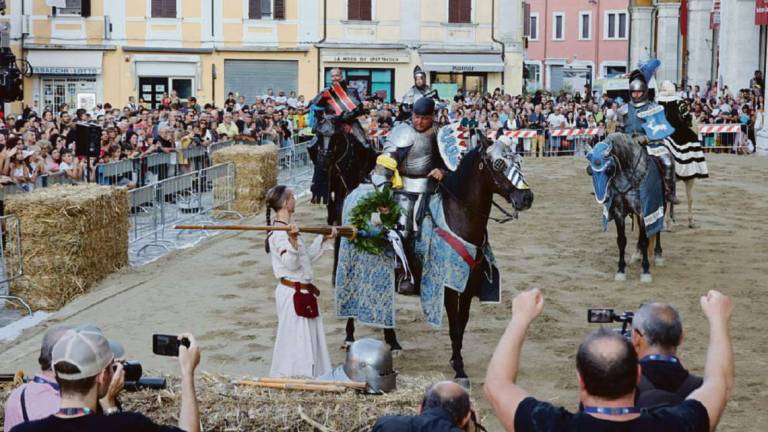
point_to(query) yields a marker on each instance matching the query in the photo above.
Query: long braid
(269, 222)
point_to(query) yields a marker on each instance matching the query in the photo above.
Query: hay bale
(72, 237)
(255, 174)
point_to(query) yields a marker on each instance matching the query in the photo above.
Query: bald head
(607, 363)
(46, 349)
(449, 396)
(659, 324)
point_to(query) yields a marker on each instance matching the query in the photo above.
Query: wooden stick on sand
(303, 384)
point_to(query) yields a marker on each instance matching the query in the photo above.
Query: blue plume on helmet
(648, 69)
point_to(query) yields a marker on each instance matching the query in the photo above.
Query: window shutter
(353, 10)
(526, 19)
(170, 9)
(85, 8)
(466, 9)
(279, 12)
(157, 8)
(454, 13)
(254, 9)
(365, 10)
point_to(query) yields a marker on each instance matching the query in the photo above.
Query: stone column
(668, 42)
(739, 43)
(699, 43)
(641, 37)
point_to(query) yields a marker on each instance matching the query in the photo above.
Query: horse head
(506, 171)
(602, 167)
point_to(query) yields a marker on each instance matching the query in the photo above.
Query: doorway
(152, 89)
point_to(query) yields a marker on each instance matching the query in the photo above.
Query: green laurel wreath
(360, 218)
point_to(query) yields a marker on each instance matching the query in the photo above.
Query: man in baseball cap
(89, 379)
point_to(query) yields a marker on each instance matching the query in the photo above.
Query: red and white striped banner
(523, 133)
(575, 131)
(720, 128)
(377, 133)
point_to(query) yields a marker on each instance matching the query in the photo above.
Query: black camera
(605, 316)
(134, 380)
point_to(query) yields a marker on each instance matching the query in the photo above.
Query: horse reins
(509, 216)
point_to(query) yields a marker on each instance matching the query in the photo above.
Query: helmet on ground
(370, 361)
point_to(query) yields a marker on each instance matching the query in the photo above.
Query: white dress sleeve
(284, 250)
(319, 244)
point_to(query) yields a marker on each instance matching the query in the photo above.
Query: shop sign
(463, 68)
(761, 12)
(367, 58)
(48, 70)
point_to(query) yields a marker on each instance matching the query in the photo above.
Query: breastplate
(421, 157)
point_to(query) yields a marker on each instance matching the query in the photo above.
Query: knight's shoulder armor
(402, 135)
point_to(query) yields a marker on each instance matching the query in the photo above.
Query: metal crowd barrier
(572, 141)
(724, 138)
(295, 169)
(190, 197)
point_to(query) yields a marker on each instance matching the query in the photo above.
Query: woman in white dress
(300, 348)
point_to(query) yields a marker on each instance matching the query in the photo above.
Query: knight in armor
(338, 107)
(644, 117)
(418, 90)
(412, 152)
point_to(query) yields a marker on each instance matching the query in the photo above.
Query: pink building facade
(572, 43)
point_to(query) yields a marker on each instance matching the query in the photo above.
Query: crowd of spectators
(34, 144)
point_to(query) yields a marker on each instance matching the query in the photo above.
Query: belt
(300, 286)
(295, 284)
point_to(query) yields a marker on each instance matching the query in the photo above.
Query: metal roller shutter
(252, 78)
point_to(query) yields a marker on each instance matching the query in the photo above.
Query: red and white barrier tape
(523, 133)
(575, 131)
(720, 128)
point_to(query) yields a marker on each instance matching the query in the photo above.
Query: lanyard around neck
(74, 412)
(661, 358)
(611, 410)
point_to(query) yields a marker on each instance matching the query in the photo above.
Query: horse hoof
(464, 382)
(620, 277)
(659, 261)
(646, 278)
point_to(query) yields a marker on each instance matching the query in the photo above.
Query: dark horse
(619, 165)
(467, 195)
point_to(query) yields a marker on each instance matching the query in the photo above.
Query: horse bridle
(508, 216)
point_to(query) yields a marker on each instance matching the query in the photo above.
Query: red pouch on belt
(305, 303)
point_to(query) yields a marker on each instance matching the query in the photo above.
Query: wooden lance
(344, 231)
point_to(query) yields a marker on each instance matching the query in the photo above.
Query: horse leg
(350, 329)
(658, 254)
(642, 244)
(465, 302)
(451, 302)
(636, 254)
(621, 241)
(391, 339)
(689, 196)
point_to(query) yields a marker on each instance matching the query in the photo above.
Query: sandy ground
(223, 291)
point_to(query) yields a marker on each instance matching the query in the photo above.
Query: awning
(58, 62)
(463, 62)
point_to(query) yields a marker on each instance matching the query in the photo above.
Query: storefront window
(368, 82)
(532, 77)
(60, 90)
(448, 83)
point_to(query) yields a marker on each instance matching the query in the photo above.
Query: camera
(605, 316)
(134, 380)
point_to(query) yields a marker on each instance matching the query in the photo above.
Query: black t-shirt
(127, 421)
(536, 416)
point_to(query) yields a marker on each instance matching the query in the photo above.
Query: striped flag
(338, 98)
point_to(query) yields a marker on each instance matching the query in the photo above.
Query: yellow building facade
(98, 51)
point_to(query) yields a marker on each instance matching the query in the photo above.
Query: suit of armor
(332, 122)
(640, 111)
(416, 154)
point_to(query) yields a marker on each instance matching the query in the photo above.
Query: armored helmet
(418, 71)
(370, 361)
(638, 84)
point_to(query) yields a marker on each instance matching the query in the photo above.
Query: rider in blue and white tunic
(645, 117)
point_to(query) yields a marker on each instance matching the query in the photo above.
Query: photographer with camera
(446, 407)
(90, 378)
(608, 371)
(657, 331)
